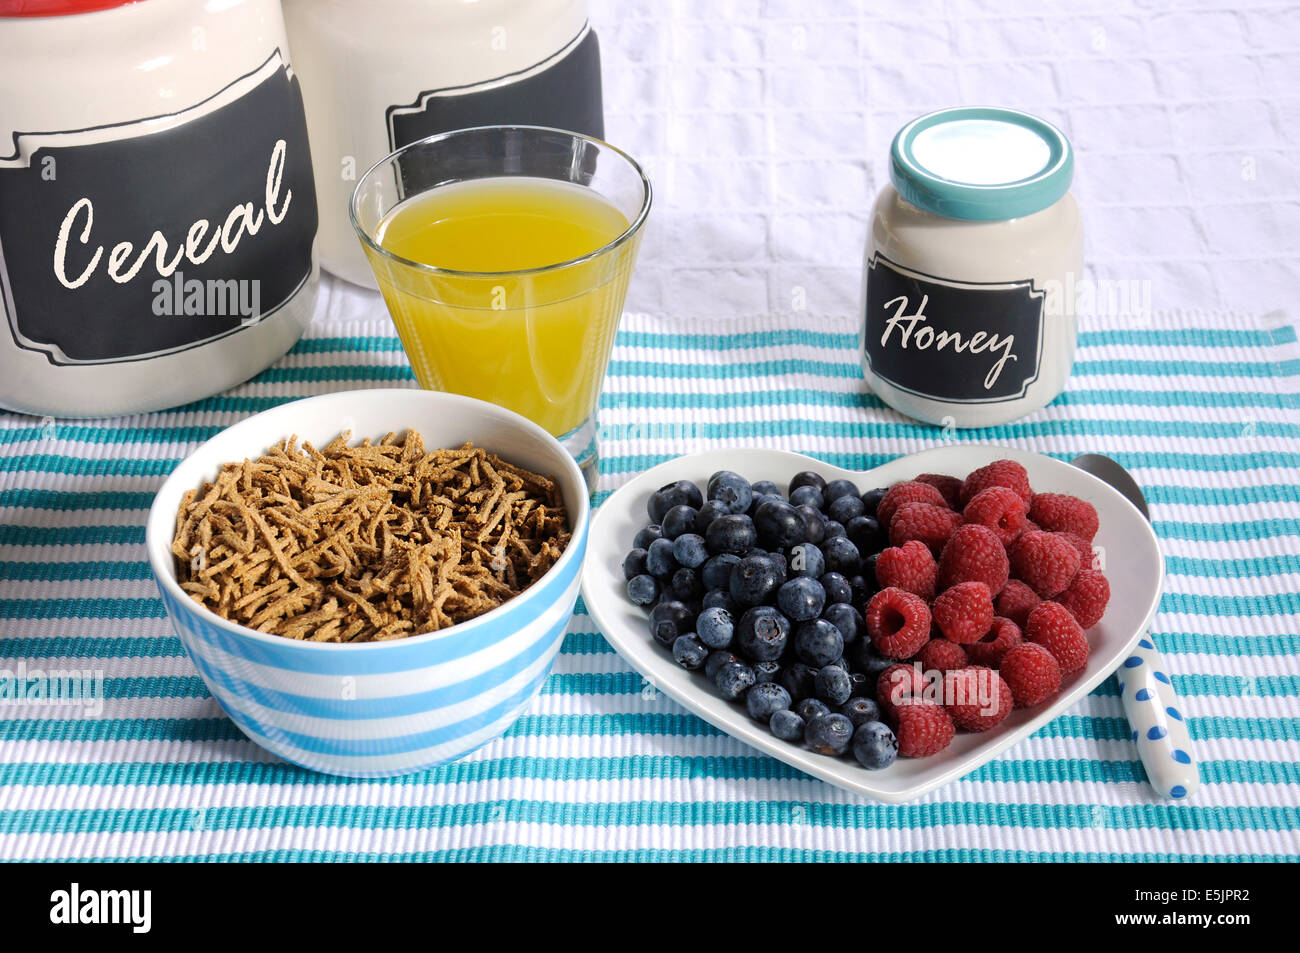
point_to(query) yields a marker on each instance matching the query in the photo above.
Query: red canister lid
(56, 8)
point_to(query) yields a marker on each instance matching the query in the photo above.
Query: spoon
(1150, 702)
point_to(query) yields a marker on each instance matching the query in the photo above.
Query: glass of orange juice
(504, 254)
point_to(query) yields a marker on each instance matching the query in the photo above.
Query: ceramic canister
(975, 247)
(380, 74)
(157, 210)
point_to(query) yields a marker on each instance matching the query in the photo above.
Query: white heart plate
(1134, 566)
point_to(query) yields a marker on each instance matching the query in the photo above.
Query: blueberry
(842, 556)
(717, 570)
(730, 489)
(753, 579)
(710, 511)
(869, 571)
(720, 599)
(838, 488)
(837, 588)
(733, 680)
(829, 734)
(647, 535)
(871, 499)
(833, 685)
(798, 680)
(643, 589)
(844, 509)
(847, 619)
(869, 661)
(874, 745)
(670, 619)
(786, 725)
(779, 524)
(807, 496)
(864, 533)
(818, 643)
(688, 549)
(767, 672)
(715, 628)
(762, 634)
(843, 663)
(765, 699)
(679, 520)
(831, 529)
(634, 563)
(811, 708)
(807, 478)
(781, 565)
(686, 585)
(801, 599)
(814, 523)
(689, 652)
(766, 488)
(733, 533)
(862, 590)
(659, 559)
(860, 710)
(718, 658)
(807, 560)
(683, 492)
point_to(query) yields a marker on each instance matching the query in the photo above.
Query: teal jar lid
(981, 163)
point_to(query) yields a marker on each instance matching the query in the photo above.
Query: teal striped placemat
(1202, 407)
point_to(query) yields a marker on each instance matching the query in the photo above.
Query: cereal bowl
(377, 709)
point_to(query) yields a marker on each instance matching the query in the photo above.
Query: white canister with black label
(157, 210)
(380, 74)
(968, 313)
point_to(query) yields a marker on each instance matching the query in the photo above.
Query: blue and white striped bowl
(382, 708)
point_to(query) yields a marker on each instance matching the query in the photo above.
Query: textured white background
(765, 126)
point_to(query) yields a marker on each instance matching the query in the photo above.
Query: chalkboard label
(950, 340)
(562, 91)
(119, 243)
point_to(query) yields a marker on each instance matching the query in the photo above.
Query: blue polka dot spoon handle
(1159, 728)
(1154, 712)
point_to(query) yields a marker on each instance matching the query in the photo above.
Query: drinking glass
(536, 340)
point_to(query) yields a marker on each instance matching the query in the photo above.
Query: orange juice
(509, 328)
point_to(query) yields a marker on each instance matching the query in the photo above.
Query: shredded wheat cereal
(366, 543)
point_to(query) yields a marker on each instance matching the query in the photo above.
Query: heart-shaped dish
(1133, 564)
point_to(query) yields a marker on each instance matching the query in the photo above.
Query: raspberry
(930, 524)
(974, 554)
(1087, 597)
(910, 492)
(941, 655)
(898, 622)
(990, 649)
(1006, 473)
(998, 508)
(1086, 555)
(897, 682)
(1015, 602)
(910, 566)
(964, 612)
(1051, 626)
(1046, 561)
(1061, 513)
(1031, 672)
(924, 728)
(970, 693)
(949, 486)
